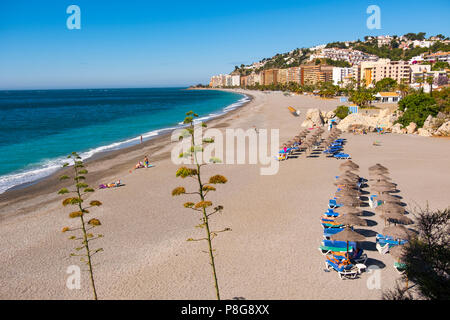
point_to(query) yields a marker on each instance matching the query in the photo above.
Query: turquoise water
(40, 127)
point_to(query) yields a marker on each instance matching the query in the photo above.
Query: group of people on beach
(143, 164)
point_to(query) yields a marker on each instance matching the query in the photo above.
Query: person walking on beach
(141, 139)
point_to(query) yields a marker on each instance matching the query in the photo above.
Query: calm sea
(40, 127)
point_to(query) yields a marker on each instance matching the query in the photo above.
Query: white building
(422, 43)
(387, 97)
(438, 56)
(235, 80)
(339, 74)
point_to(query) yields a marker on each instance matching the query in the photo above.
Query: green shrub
(417, 107)
(341, 112)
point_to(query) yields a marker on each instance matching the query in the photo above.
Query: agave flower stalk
(205, 207)
(80, 192)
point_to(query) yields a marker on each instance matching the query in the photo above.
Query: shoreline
(51, 184)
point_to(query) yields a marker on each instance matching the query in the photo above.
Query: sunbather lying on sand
(118, 183)
(139, 165)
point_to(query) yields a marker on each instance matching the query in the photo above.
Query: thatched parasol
(350, 220)
(398, 232)
(349, 201)
(397, 217)
(383, 184)
(347, 235)
(398, 252)
(381, 189)
(380, 177)
(348, 210)
(375, 172)
(344, 181)
(347, 193)
(377, 167)
(388, 198)
(390, 207)
(349, 164)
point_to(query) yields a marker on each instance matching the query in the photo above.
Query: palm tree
(403, 87)
(429, 80)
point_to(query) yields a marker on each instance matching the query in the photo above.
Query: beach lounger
(328, 232)
(332, 204)
(328, 246)
(382, 249)
(356, 256)
(382, 240)
(342, 155)
(344, 269)
(400, 267)
(331, 213)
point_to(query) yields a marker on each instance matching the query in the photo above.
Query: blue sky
(178, 43)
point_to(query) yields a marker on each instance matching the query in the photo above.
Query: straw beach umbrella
(398, 252)
(390, 207)
(349, 163)
(381, 189)
(349, 201)
(387, 197)
(347, 192)
(384, 183)
(348, 173)
(350, 220)
(380, 177)
(377, 167)
(348, 210)
(397, 217)
(347, 235)
(398, 232)
(344, 181)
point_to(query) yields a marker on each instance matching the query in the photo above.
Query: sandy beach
(272, 251)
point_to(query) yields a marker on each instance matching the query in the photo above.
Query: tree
(430, 81)
(80, 192)
(440, 65)
(417, 107)
(203, 206)
(442, 98)
(386, 84)
(427, 257)
(341, 112)
(403, 87)
(362, 97)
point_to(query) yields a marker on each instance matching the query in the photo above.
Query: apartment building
(244, 81)
(339, 74)
(235, 80)
(372, 72)
(313, 74)
(269, 76)
(282, 76)
(294, 74)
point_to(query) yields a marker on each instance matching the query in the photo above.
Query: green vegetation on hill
(395, 53)
(338, 63)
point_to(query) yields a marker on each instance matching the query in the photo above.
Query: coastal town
(362, 69)
(408, 73)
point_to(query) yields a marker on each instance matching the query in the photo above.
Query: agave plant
(204, 207)
(79, 194)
